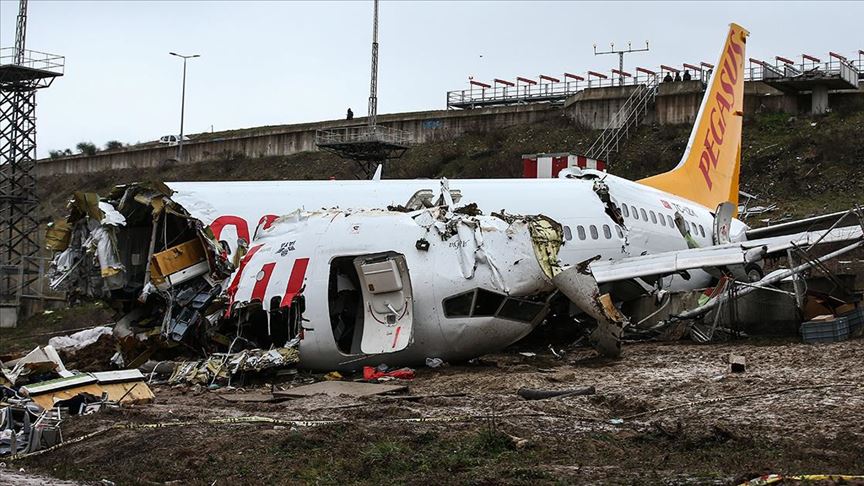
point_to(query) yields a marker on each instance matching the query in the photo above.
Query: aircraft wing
(730, 254)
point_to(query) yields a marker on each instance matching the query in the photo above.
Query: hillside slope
(803, 164)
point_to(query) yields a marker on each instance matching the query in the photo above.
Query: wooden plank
(338, 388)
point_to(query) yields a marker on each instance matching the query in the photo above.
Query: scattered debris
(377, 374)
(221, 368)
(40, 364)
(825, 329)
(79, 340)
(435, 362)
(24, 430)
(737, 363)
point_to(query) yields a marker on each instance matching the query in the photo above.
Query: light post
(182, 103)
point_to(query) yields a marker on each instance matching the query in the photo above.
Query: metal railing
(364, 133)
(42, 61)
(847, 70)
(476, 97)
(627, 117)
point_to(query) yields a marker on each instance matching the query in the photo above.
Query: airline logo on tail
(708, 170)
(727, 103)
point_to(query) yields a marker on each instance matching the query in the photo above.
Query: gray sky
(266, 63)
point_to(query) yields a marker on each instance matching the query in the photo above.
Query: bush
(56, 154)
(113, 145)
(86, 148)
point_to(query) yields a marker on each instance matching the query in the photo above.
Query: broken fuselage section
(349, 287)
(141, 252)
(362, 287)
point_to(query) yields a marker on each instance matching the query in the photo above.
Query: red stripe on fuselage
(295, 281)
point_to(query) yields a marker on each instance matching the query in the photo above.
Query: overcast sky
(265, 63)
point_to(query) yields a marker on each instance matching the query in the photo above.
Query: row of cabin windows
(656, 218)
(595, 233)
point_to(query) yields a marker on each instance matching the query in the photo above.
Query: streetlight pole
(182, 103)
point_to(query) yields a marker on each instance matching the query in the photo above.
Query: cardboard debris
(339, 388)
(124, 386)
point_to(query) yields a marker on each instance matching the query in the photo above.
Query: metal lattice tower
(22, 73)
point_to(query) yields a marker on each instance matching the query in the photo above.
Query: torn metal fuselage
(138, 249)
(375, 286)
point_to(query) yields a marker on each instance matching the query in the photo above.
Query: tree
(55, 154)
(86, 148)
(113, 145)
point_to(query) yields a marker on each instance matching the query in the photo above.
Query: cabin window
(653, 217)
(487, 303)
(607, 231)
(459, 305)
(594, 234)
(662, 219)
(581, 232)
(695, 229)
(521, 310)
(702, 231)
(568, 235)
(620, 233)
(644, 214)
(671, 222)
(635, 212)
(625, 210)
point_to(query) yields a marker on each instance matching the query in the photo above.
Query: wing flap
(739, 253)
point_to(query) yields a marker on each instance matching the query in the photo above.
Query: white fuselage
(571, 202)
(235, 209)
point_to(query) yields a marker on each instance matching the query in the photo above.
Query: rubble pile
(37, 392)
(159, 267)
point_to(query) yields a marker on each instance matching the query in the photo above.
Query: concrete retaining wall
(283, 140)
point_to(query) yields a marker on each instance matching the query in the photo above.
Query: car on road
(172, 139)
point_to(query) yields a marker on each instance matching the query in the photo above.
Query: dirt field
(470, 438)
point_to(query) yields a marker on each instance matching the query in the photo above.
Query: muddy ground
(470, 438)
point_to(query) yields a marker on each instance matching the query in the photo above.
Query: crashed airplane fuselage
(372, 286)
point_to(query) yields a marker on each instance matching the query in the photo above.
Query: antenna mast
(21, 32)
(373, 88)
(620, 56)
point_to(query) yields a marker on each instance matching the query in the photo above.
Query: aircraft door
(388, 303)
(722, 223)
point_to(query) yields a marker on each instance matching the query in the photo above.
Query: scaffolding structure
(22, 73)
(367, 145)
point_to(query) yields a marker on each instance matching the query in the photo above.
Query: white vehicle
(172, 140)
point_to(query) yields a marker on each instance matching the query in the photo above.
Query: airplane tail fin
(709, 169)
